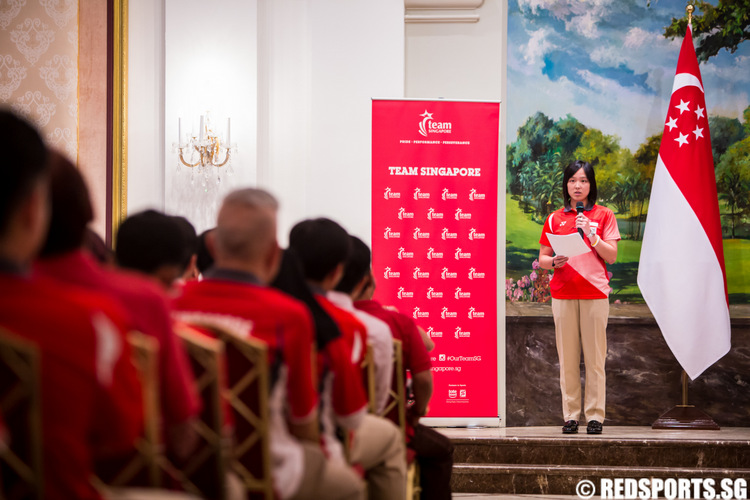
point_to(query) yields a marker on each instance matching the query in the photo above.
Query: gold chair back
(21, 475)
(247, 396)
(204, 472)
(395, 407)
(144, 466)
(368, 376)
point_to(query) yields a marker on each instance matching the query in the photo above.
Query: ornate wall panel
(39, 66)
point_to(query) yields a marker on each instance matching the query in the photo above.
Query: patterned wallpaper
(39, 66)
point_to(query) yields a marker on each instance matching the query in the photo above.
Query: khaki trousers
(329, 479)
(379, 448)
(582, 323)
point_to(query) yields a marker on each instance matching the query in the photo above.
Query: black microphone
(579, 209)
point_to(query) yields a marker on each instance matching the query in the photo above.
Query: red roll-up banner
(434, 238)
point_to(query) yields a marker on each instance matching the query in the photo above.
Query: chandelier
(204, 153)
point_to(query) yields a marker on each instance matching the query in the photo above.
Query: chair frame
(255, 352)
(205, 354)
(22, 357)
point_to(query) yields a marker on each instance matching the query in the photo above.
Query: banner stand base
(685, 417)
(467, 422)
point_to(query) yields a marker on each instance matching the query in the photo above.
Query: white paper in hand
(568, 245)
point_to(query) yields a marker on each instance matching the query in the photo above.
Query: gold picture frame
(119, 109)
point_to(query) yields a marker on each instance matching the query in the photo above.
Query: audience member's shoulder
(284, 301)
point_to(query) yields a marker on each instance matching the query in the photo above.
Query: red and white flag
(681, 273)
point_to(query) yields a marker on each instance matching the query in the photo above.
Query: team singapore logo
(461, 334)
(433, 215)
(403, 214)
(388, 274)
(447, 195)
(432, 294)
(429, 125)
(475, 235)
(460, 294)
(403, 294)
(390, 195)
(420, 314)
(473, 195)
(446, 314)
(474, 275)
(461, 215)
(420, 275)
(390, 235)
(473, 313)
(433, 334)
(462, 255)
(419, 235)
(403, 254)
(447, 235)
(447, 275)
(432, 254)
(419, 195)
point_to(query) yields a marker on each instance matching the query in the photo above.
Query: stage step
(541, 460)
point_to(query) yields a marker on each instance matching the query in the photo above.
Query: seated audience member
(191, 271)
(378, 334)
(434, 451)
(155, 244)
(247, 256)
(205, 252)
(323, 247)
(90, 393)
(63, 258)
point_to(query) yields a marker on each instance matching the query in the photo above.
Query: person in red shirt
(63, 258)
(324, 247)
(434, 451)
(247, 258)
(91, 396)
(580, 290)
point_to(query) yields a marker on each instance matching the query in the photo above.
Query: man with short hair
(246, 260)
(90, 393)
(377, 446)
(156, 244)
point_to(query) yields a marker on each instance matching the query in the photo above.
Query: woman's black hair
(570, 171)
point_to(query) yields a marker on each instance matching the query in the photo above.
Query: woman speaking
(580, 291)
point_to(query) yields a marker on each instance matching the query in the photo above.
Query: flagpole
(682, 416)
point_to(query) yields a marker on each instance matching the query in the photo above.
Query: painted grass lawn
(522, 247)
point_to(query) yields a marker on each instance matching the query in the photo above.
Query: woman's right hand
(558, 261)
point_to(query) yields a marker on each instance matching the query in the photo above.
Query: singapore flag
(681, 273)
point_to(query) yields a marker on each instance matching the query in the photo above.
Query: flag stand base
(685, 417)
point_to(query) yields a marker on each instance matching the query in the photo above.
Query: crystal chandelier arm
(191, 165)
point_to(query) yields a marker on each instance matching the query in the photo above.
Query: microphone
(579, 209)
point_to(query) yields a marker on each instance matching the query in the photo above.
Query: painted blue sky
(607, 63)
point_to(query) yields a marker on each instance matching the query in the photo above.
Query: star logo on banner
(426, 115)
(683, 106)
(682, 139)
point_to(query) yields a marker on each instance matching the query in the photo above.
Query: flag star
(698, 132)
(683, 106)
(699, 112)
(683, 139)
(672, 123)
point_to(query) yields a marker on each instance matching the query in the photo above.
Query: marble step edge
(597, 471)
(598, 440)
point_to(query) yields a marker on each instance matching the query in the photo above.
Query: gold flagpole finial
(689, 9)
